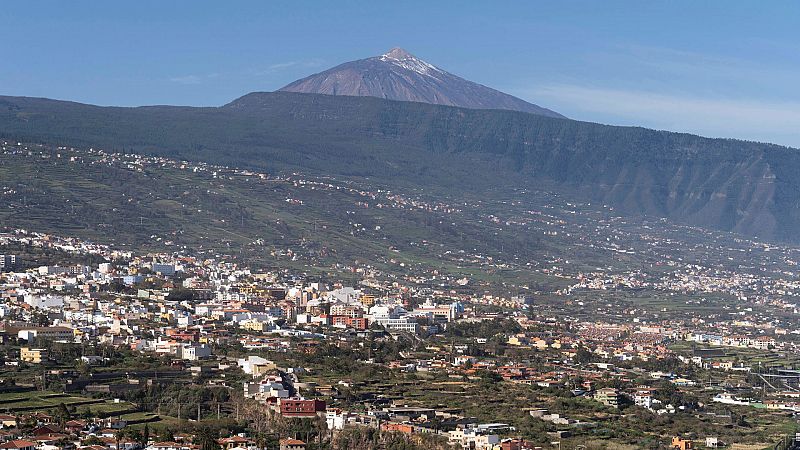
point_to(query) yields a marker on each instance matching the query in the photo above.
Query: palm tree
(119, 435)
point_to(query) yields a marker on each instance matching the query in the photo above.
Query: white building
(473, 439)
(269, 387)
(345, 295)
(392, 318)
(194, 352)
(336, 419)
(248, 364)
(45, 301)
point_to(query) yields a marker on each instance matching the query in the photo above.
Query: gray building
(9, 263)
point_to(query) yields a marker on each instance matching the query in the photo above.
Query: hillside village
(87, 346)
(267, 226)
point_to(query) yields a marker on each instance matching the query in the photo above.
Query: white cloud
(284, 65)
(777, 122)
(277, 67)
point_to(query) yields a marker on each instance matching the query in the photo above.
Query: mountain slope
(305, 222)
(399, 75)
(746, 187)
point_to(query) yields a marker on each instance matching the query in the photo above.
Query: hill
(501, 239)
(745, 187)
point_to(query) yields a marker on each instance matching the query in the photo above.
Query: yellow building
(539, 344)
(608, 397)
(263, 369)
(254, 325)
(519, 340)
(32, 355)
(367, 300)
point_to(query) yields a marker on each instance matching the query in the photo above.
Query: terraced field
(45, 401)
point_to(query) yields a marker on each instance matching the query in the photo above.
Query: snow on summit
(402, 58)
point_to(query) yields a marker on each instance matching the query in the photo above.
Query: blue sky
(716, 68)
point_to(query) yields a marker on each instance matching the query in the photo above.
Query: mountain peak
(402, 58)
(399, 75)
(397, 53)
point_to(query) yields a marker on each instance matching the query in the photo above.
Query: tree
(180, 295)
(206, 438)
(93, 440)
(87, 413)
(583, 355)
(489, 377)
(165, 435)
(145, 438)
(62, 414)
(135, 435)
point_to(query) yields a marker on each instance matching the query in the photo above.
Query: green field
(45, 401)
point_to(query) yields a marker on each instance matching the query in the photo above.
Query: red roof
(18, 444)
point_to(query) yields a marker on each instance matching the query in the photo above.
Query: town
(110, 348)
(525, 225)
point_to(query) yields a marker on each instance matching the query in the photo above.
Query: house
(763, 343)
(127, 444)
(683, 382)
(75, 426)
(398, 427)
(32, 355)
(681, 444)
(270, 386)
(256, 365)
(519, 340)
(195, 352)
(106, 432)
(643, 396)
(58, 334)
(8, 421)
(358, 323)
(608, 396)
(171, 446)
(472, 438)
(335, 419)
(515, 444)
(184, 335)
(301, 408)
(42, 418)
(44, 430)
(232, 442)
(292, 444)
(18, 444)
